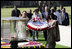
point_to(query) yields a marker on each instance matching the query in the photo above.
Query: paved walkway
(65, 35)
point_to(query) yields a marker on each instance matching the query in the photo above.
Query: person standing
(43, 10)
(29, 15)
(15, 13)
(21, 27)
(46, 15)
(35, 15)
(65, 17)
(53, 34)
(58, 15)
(60, 11)
(54, 17)
(61, 7)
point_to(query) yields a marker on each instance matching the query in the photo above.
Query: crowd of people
(47, 14)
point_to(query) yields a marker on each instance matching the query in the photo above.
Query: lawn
(6, 12)
(41, 40)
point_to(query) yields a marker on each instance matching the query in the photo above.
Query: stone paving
(65, 35)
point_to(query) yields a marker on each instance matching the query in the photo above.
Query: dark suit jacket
(15, 13)
(66, 20)
(29, 15)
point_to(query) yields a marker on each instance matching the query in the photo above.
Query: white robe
(21, 33)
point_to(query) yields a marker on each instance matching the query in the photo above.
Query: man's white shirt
(58, 17)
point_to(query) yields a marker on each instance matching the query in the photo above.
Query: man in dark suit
(43, 10)
(61, 7)
(29, 15)
(15, 13)
(65, 17)
(45, 15)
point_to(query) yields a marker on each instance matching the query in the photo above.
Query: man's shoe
(36, 38)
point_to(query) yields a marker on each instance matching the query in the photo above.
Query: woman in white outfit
(21, 27)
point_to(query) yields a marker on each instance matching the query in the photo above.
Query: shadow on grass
(40, 39)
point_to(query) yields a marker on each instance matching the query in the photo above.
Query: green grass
(6, 12)
(41, 37)
(44, 42)
(41, 40)
(61, 46)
